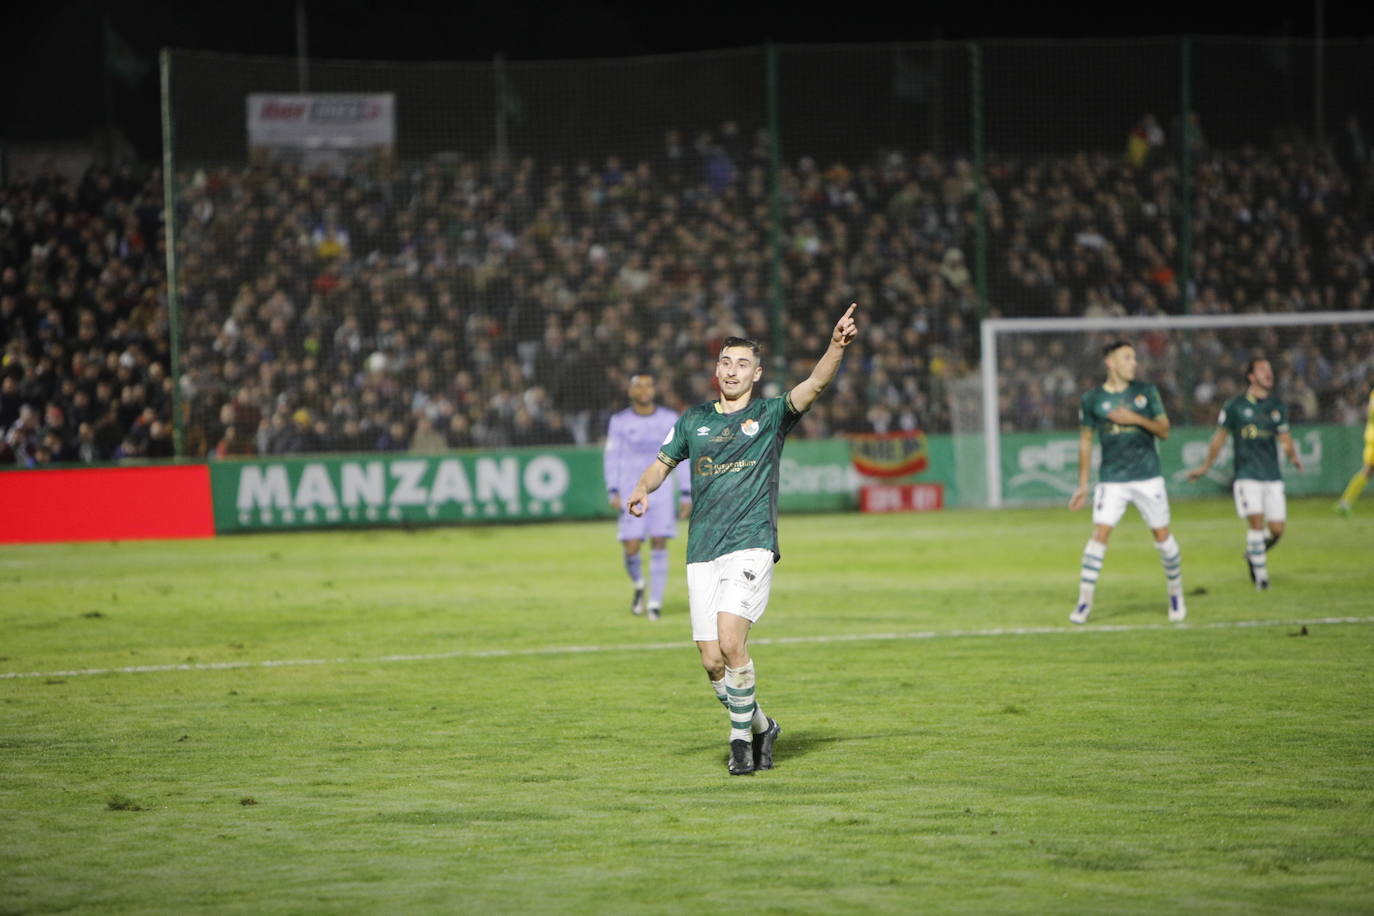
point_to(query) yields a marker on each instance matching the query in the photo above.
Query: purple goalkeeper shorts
(659, 522)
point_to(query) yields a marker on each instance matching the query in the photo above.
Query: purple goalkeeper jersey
(632, 444)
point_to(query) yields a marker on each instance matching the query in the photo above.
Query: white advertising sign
(322, 121)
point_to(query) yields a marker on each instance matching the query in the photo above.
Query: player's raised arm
(810, 388)
(649, 481)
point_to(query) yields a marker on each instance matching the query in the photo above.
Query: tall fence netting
(535, 233)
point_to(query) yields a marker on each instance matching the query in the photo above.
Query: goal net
(1034, 372)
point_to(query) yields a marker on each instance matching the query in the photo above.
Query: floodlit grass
(469, 720)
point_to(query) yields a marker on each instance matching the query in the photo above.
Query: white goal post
(994, 330)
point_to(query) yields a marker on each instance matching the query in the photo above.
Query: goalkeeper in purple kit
(633, 438)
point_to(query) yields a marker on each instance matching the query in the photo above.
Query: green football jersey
(1128, 452)
(1255, 427)
(734, 462)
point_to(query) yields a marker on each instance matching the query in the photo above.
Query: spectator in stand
(22, 437)
(426, 438)
(80, 316)
(478, 288)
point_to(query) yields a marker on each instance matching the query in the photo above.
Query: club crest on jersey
(1274, 415)
(1140, 400)
(703, 430)
(749, 427)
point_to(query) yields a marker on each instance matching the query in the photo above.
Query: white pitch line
(632, 647)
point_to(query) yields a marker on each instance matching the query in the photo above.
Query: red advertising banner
(106, 504)
(912, 497)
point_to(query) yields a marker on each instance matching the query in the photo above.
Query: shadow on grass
(1133, 612)
(792, 744)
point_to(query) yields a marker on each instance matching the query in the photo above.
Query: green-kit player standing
(1127, 416)
(1257, 423)
(733, 445)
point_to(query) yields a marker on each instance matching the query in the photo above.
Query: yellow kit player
(1356, 485)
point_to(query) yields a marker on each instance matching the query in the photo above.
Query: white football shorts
(1111, 499)
(1261, 497)
(736, 583)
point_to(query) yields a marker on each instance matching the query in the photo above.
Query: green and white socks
(1255, 552)
(1089, 570)
(719, 688)
(1172, 559)
(736, 692)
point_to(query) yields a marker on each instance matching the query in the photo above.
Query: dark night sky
(52, 87)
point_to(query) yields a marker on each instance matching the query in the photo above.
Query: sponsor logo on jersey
(750, 427)
(706, 466)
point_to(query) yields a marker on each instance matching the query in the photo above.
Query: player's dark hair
(1250, 367)
(1112, 347)
(743, 342)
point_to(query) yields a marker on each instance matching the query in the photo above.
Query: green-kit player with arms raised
(1127, 417)
(733, 446)
(1257, 423)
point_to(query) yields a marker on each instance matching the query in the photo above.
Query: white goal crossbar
(991, 327)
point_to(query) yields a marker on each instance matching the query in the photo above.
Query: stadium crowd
(84, 335)
(453, 305)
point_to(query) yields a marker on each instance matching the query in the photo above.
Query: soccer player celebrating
(733, 446)
(1257, 423)
(632, 440)
(1127, 416)
(1366, 471)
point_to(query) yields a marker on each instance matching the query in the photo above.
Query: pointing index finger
(852, 307)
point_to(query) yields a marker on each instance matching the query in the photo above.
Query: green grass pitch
(470, 720)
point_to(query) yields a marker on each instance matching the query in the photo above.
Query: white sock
(739, 689)
(1172, 558)
(1090, 568)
